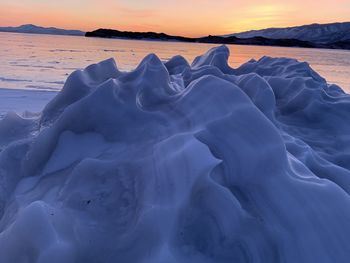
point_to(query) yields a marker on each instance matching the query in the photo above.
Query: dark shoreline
(257, 41)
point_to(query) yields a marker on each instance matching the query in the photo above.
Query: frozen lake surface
(43, 62)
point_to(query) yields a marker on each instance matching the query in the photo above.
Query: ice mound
(173, 162)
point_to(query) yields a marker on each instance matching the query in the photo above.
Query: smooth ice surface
(173, 162)
(43, 62)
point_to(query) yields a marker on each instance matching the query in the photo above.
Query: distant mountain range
(317, 33)
(334, 36)
(33, 29)
(261, 41)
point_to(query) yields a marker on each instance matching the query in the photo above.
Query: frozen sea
(34, 67)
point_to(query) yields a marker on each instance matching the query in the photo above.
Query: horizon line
(163, 32)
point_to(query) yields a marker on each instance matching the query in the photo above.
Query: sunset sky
(181, 17)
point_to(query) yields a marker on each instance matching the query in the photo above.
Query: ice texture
(173, 162)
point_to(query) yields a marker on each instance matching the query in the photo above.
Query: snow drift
(174, 162)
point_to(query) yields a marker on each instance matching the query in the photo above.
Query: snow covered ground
(174, 162)
(22, 101)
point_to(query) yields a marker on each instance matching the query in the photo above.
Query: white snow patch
(75, 147)
(173, 162)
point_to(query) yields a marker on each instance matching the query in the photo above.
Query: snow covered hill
(317, 33)
(33, 29)
(173, 162)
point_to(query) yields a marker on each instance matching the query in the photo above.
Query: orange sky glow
(181, 17)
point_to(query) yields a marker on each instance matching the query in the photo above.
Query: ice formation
(173, 162)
